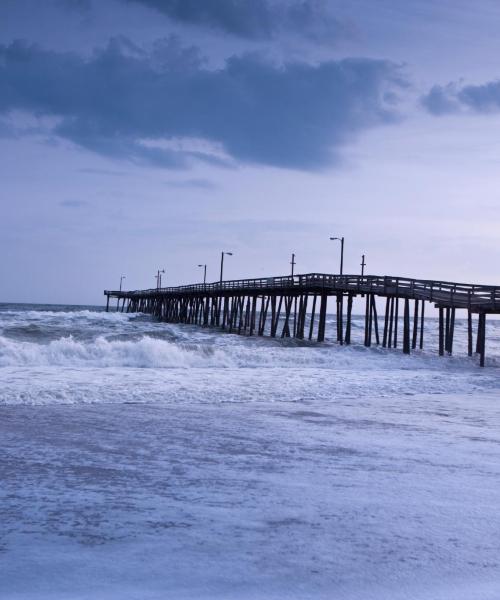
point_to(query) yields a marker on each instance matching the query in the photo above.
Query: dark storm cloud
(440, 100)
(293, 115)
(454, 98)
(253, 19)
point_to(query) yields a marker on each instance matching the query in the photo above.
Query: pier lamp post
(121, 280)
(341, 240)
(293, 263)
(363, 265)
(204, 273)
(222, 264)
(158, 278)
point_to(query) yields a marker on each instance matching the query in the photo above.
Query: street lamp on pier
(121, 281)
(158, 278)
(204, 273)
(341, 240)
(222, 264)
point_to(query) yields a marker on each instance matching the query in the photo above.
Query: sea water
(147, 460)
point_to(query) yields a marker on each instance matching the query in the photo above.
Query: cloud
(454, 97)
(440, 100)
(6, 130)
(254, 19)
(128, 103)
(92, 171)
(199, 183)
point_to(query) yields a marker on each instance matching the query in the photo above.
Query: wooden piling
(469, 332)
(253, 314)
(375, 319)
(391, 324)
(482, 335)
(441, 331)
(313, 313)
(406, 327)
(396, 317)
(386, 322)
(286, 325)
(274, 324)
(422, 313)
(415, 325)
(348, 320)
(340, 318)
(322, 317)
(367, 318)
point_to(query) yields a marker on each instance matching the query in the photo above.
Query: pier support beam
(375, 319)
(415, 325)
(322, 318)
(386, 322)
(406, 327)
(441, 331)
(422, 312)
(313, 314)
(469, 332)
(481, 337)
(349, 320)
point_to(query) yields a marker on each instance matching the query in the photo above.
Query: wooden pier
(296, 306)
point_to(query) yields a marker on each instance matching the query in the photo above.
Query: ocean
(145, 460)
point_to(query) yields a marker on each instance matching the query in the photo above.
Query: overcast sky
(146, 134)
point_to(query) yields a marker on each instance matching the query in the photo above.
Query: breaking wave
(80, 356)
(146, 352)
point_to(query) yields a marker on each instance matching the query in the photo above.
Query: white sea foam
(278, 468)
(85, 356)
(146, 352)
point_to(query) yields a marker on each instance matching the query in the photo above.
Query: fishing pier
(296, 306)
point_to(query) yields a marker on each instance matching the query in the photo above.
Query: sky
(138, 135)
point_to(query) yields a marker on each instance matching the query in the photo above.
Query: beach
(146, 460)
